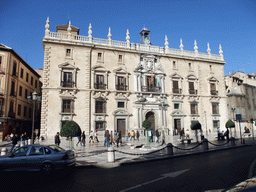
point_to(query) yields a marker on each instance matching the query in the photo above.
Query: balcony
(192, 91)
(100, 86)
(151, 89)
(177, 91)
(13, 94)
(11, 114)
(121, 87)
(68, 84)
(214, 92)
(15, 74)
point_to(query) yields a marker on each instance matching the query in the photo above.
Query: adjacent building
(18, 80)
(103, 84)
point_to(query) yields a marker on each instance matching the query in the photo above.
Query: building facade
(103, 84)
(241, 94)
(18, 80)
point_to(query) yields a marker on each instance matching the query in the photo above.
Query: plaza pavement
(96, 154)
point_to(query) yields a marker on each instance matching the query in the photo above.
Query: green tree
(230, 124)
(146, 124)
(70, 129)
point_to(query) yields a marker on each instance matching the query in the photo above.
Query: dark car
(38, 158)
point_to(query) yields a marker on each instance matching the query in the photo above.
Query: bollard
(233, 141)
(111, 155)
(26, 142)
(22, 143)
(4, 151)
(205, 144)
(169, 149)
(29, 142)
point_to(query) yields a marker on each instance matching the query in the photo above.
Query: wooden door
(121, 125)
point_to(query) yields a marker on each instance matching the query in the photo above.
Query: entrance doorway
(121, 126)
(177, 126)
(150, 116)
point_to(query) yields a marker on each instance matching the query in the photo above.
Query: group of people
(131, 135)
(112, 138)
(15, 138)
(222, 134)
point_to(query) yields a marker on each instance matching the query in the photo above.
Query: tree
(70, 129)
(230, 124)
(146, 124)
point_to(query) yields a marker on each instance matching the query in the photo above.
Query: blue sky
(230, 23)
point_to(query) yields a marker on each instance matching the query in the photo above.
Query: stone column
(139, 88)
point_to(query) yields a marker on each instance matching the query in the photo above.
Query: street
(199, 172)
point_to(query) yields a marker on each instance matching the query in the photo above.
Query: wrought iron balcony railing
(150, 89)
(192, 91)
(214, 92)
(177, 91)
(121, 87)
(69, 84)
(13, 93)
(100, 86)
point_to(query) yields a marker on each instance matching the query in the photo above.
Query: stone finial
(221, 52)
(109, 34)
(69, 29)
(195, 47)
(90, 33)
(181, 45)
(208, 49)
(127, 38)
(47, 27)
(166, 42)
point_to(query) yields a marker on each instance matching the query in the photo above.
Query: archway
(151, 117)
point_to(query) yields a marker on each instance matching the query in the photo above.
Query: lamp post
(205, 123)
(162, 107)
(233, 110)
(34, 99)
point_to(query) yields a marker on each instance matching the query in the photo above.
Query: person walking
(96, 136)
(120, 137)
(91, 137)
(108, 139)
(132, 135)
(157, 136)
(116, 139)
(111, 137)
(218, 132)
(152, 134)
(57, 139)
(105, 138)
(83, 138)
(128, 136)
(227, 134)
(163, 137)
(14, 141)
(79, 140)
(138, 135)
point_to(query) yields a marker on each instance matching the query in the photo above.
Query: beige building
(18, 80)
(241, 92)
(115, 85)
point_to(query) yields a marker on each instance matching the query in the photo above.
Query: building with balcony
(17, 81)
(115, 85)
(241, 97)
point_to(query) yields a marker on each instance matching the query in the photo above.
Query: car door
(16, 161)
(35, 157)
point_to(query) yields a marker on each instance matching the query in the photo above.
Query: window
(35, 83)
(19, 110)
(67, 79)
(175, 87)
(13, 88)
(100, 107)
(26, 77)
(100, 82)
(20, 91)
(32, 80)
(68, 52)
(14, 68)
(120, 58)
(26, 93)
(120, 104)
(141, 58)
(191, 89)
(121, 83)
(216, 124)
(100, 125)
(99, 56)
(189, 65)
(67, 106)
(1, 60)
(176, 106)
(11, 106)
(37, 150)
(25, 111)
(21, 151)
(215, 108)
(29, 112)
(193, 109)
(174, 64)
(47, 151)
(213, 89)
(21, 73)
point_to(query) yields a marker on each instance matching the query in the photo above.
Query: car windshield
(56, 148)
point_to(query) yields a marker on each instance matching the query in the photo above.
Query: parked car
(38, 158)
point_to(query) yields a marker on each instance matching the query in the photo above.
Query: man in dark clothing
(57, 139)
(120, 138)
(157, 136)
(14, 141)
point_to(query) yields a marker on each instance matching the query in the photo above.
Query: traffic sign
(238, 117)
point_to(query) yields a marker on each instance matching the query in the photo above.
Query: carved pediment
(121, 70)
(175, 76)
(178, 113)
(67, 65)
(212, 79)
(100, 68)
(99, 95)
(214, 99)
(67, 93)
(121, 112)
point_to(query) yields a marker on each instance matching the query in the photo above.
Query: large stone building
(18, 80)
(241, 92)
(115, 85)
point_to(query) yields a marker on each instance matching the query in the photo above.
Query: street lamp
(205, 123)
(233, 110)
(35, 99)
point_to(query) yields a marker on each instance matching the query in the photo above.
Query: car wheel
(47, 168)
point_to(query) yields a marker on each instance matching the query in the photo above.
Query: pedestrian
(14, 141)
(79, 140)
(105, 136)
(108, 139)
(120, 137)
(96, 136)
(218, 132)
(157, 136)
(181, 133)
(152, 134)
(116, 139)
(227, 134)
(21, 137)
(25, 137)
(91, 137)
(111, 137)
(163, 137)
(132, 135)
(11, 136)
(128, 136)
(83, 138)
(138, 135)
(57, 139)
